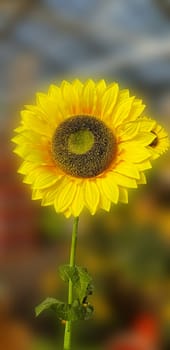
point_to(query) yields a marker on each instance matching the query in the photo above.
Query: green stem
(68, 327)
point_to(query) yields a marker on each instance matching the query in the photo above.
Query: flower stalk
(68, 326)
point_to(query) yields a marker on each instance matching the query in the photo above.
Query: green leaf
(68, 272)
(64, 311)
(60, 308)
(83, 286)
(81, 279)
(79, 312)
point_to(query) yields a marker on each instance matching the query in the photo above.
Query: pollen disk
(83, 146)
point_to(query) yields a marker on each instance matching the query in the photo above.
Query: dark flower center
(83, 146)
(154, 143)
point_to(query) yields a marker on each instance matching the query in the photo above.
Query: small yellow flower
(84, 145)
(161, 143)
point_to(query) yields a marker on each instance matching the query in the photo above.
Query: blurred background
(128, 250)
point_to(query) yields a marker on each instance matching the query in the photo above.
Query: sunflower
(161, 143)
(84, 145)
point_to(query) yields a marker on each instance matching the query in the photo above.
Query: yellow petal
(109, 187)
(109, 99)
(100, 88)
(21, 150)
(88, 103)
(30, 177)
(28, 137)
(123, 95)
(26, 167)
(67, 213)
(91, 196)
(127, 169)
(54, 92)
(123, 195)
(78, 202)
(53, 109)
(144, 165)
(36, 156)
(128, 130)
(36, 194)
(77, 84)
(71, 98)
(32, 122)
(36, 110)
(50, 193)
(154, 153)
(19, 129)
(121, 111)
(146, 124)
(20, 139)
(161, 133)
(137, 109)
(124, 181)
(105, 203)
(133, 152)
(44, 179)
(144, 138)
(142, 179)
(65, 197)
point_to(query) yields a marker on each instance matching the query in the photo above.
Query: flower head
(84, 145)
(161, 143)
